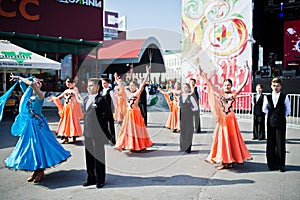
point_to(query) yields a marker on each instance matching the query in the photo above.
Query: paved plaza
(160, 172)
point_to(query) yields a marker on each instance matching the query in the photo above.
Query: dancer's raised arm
(245, 80)
(148, 68)
(119, 82)
(35, 84)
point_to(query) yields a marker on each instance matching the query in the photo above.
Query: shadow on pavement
(63, 179)
(257, 151)
(249, 167)
(162, 153)
(117, 181)
(247, 132)
(293, 141)
(6, 138)
(255, 141)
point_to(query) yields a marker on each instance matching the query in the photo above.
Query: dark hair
(277, 80)
(192, 79)
(228, 80)
(260, 85)
(70, 80)
(106, 80)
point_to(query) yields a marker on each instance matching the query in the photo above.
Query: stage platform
(290, 85)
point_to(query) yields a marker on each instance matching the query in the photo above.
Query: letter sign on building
(21, 7)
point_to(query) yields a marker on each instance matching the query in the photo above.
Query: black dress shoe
(282, 169)
(272, 168)
(113, 142)
(88, 183)
(99, 185)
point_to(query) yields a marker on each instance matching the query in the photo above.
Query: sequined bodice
(227, 103)
(69, 97)
(132, 101)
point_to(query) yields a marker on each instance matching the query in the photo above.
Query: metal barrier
(243, 107)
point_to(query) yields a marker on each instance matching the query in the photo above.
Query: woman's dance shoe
(32, 177)
(66, 140)
(39, 177)
(224, 166)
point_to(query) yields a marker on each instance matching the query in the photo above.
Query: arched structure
(118, 55)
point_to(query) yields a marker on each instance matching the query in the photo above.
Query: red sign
(291, 44)
(68, 19)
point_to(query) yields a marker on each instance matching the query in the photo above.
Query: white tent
(18, 60)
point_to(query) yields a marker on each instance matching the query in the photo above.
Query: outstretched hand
(117, 78)
(50, 99)
(247, 65)
(148, 68)
(13, 77)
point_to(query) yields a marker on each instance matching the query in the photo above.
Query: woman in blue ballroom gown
(37, 148)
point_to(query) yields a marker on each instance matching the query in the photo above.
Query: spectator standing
(196, 114)
(258, 114)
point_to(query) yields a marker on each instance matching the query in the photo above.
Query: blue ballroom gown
(37, 148)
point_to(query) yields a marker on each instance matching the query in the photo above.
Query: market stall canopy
(116, 55)
(19, 60)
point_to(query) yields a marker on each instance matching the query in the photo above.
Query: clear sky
(159, 18)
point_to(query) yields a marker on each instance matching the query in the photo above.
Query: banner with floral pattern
(216, 38)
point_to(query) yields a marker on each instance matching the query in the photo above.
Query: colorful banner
(216, 40)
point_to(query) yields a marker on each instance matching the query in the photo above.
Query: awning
(48, 44)
(17, 59)
(116, 55)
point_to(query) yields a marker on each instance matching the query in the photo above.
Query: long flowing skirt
(133, 134)
(37, 148)
(173, 121)
(69, 124)
(228, 146)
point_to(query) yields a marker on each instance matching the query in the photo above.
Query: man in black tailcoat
(95, 134)
(107, 92)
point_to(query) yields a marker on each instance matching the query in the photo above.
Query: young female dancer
(37, 148)
(120, 109)
(70, 113)
(133, 135)
(228, 145)
(173, 121)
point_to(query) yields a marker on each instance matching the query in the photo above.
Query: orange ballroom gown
(70, 113)
(172, 122)
(133, 134)
(228, 145)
